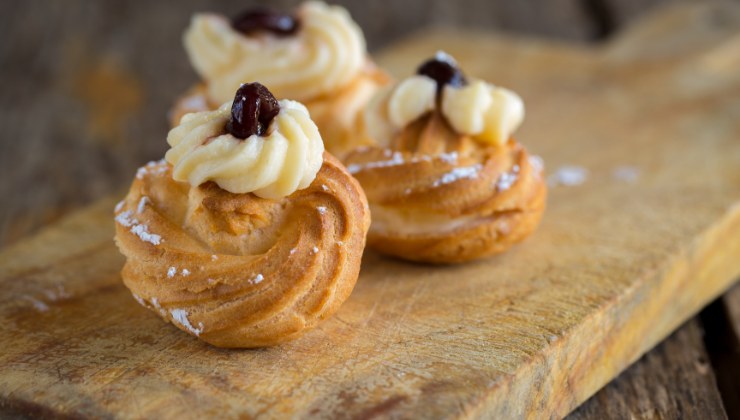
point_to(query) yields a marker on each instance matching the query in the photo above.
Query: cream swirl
(487, 113)
(275, 165)
(327, 53)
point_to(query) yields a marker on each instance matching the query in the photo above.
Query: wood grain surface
(619, 262)
(57, 137)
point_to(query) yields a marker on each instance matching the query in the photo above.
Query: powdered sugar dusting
(37, 304)
(450, 158)
(315, 250)
(142, 203)
(142, 231)
(214, 257)
(568, 176)
(56, 294)
(465, 172)
(185, 272)
(171, 272)
(119, 206)
(628, 174)
(257, 279)
(156, 305)
(537, 163)
(321, 209)
(396, 159)
(324, 187)
(157, 167)
(139, 299)
(507, 179)
(293, 250)
(180, 316)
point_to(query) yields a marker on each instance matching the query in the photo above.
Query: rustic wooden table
(66, 144)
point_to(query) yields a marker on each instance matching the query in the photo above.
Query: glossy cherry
(253, 109)
(253, 21)
(444, 71)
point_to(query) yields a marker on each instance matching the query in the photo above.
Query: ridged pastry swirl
(237, 270)
(442, 197)
(326, 54)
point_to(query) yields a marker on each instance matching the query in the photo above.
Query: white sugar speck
(185, 272)
(407, 191)
(125, 219)
(257, 279)
(324, 187)
(507, 179)
(57, 294)
(139, 299)
(537, 163)
(37, 304)
(292, 251)
(156, 305)
(181, 317)
(211, 281)
(315, 250)
(396, 159)
(157, 167)
(450, 158)
(214, 257)
(465, 172)
(321, 209)
(628, 174)
(171, 272)
(140, 230)
(340, 243)
(142, 203)
(568, 176)
(119, 206)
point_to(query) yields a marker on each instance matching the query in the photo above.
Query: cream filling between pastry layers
(287, 158)
(488, 113)
(326, 53)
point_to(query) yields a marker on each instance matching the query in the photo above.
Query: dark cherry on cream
(257, 20)
(253, 109)
(444, 71)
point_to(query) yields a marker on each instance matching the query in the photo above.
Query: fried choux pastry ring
(446, 181)
(248, 233)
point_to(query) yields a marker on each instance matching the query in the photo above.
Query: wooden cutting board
(649, 235)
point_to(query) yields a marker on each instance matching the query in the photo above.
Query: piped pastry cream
(317, 56)
(248, 234)
(274, 164)
(487, 113)
(445, 179)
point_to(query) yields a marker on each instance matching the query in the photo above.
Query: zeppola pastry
(316, 56)
(248, 233)
(446, 181)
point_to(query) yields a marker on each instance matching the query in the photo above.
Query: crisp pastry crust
(338, 115)
(237, 270)
(438, 196)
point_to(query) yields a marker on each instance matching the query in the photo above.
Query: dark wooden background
(86, 85)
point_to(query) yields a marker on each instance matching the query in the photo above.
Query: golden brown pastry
(248, 233)
(316, 56)
(446, 181)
